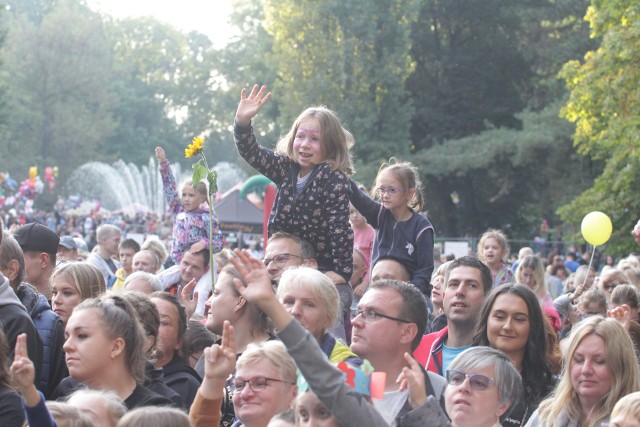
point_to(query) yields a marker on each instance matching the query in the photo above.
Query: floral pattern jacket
(188, 227)
(319, 214)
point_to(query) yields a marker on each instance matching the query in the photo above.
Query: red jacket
(429, 351)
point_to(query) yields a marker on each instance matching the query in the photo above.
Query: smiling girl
(310, 166)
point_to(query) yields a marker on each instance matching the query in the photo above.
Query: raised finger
(21, 346)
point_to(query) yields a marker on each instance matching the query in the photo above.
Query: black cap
(36, 237)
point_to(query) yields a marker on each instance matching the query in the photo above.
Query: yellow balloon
(596, 228)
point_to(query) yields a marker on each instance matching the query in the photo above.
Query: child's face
(310, 412)
(126, 258)
(624, 421)
(392, 193)
(357, 220)
(491, 251)
(308, 147)
(191, 199)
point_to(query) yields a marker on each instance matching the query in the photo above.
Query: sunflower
(194, 148)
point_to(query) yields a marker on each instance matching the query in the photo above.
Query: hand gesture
(197, 247)
(412, 378)
(184, 294)
(258, 289)
(24, 372)
(219, 363)
(250, 105)
(622, 314)
(160, 155)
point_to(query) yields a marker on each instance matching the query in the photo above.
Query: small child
(402, 233)
(190, 221)
(493, 249)
(310, 168)
(126, 250)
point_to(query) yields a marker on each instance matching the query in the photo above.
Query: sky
(209, 17)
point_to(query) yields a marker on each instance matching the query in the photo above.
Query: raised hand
(184, 294)
(622, 314)
(219, 363)
(24, 372)
(636, 232)
(160, 155)
(257, 288)
(197, 247)
(250, 105)
(412, 378)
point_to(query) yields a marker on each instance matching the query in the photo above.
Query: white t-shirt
(390, 405)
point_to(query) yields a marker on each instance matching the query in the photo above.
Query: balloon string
(589, 268)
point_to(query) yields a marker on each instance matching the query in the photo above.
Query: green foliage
(57, 77)
(604, 103)
(351, 56)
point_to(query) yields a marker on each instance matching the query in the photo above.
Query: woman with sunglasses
(512, 321)
(600, 367)
(482, 385)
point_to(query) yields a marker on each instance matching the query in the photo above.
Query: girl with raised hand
(310, 166)
(190, 221)
(402, 233)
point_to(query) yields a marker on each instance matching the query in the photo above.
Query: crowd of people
(349, 317)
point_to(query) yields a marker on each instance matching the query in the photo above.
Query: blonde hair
(499, 237)
(66, 415)
(87, 279)
(336, 141)
(622, 364)
(154, 416)
(535, 264)
(201, 187)
(409, 177)
(154, 245)
(276, 354)
(115, 405)
(315, 283)
(628, 407)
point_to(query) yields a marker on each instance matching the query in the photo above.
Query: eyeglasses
(390, 190)
(279, 259)
(372, 316)
(256, 384)
(609, 286)
(476, 381)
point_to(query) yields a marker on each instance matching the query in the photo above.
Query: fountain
(126, 187)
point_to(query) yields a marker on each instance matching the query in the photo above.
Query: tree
(604, 103)
(353, 57)
(57, 75)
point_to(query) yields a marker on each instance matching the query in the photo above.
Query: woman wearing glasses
(482, 385)
(511, 321)
(264, 385)
(600, 367)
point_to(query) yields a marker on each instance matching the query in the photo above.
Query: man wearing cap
(40, 246)
(67, 249)
(49, 326)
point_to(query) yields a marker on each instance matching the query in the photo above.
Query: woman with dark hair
(511, 320)
(172, 347)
